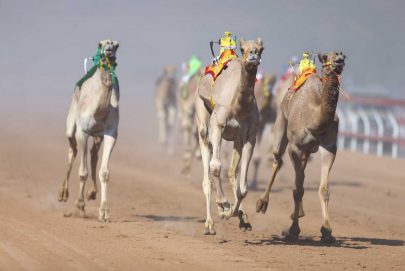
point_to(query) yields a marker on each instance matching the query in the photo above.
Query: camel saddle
(218, 66)
(302, 78)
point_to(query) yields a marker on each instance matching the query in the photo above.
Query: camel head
(251, 52)
(108, 48)
(169, 71)
(332, 62)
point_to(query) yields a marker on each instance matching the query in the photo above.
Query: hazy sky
(44, 42)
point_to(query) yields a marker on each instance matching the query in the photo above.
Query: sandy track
(158, 215)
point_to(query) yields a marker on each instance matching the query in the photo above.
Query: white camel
(94, 112)
(165, 102)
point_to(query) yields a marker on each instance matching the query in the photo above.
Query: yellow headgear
(228, 34)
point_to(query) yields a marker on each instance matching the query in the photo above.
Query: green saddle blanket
(89, 74)
(92, 71)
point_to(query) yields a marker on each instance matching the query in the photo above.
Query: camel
(165, 102)
(282, 86)
(280, 89)
(94, 112)
(264, 100)
(187, 94)
(227, 109)
(308, 122)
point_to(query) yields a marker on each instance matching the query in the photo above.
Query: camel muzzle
(254, 59)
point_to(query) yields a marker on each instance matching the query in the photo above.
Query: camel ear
(322, 58)
(241, 42)
(259, 41)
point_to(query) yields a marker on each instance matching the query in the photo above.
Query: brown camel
(227, 109)
(307, 122)
(186, 99)
(165, 102)
(264, 97)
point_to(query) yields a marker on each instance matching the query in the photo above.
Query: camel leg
(241, 188)
(161, 115)
(64, 190)
(171, 117)
(203, 120)
(298, 189)
(171, 120)
(196, 150)
(236, 156)
(304, 160)
(187, 152)
(244, 224)
(82, 138)
(70, 133)
(104, 175)
(279, 146)
(256, 156)
(91, 193)
(270, 147)
(328, 157)
(216, 128)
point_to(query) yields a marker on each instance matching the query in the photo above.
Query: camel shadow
(308, 187)
(357, 243)
(171, 218)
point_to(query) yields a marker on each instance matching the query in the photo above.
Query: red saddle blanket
(218, 66)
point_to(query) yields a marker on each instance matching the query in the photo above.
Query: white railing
(368, 123)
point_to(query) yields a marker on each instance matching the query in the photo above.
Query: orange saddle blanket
(218, 66)
(303, 78)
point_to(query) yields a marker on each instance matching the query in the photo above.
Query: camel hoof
(224, 210)
(63, 194)
(209, 229)
(292, 234)
(244, 224)
(104, 215)
(103, 220)
(80, 204)
(327, 236)
(261, 205)
(91, 194)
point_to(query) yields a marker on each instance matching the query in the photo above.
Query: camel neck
(245, 96)
(106, 77)
(330, 96)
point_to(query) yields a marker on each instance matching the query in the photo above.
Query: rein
(341, 91)
(108, 65)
